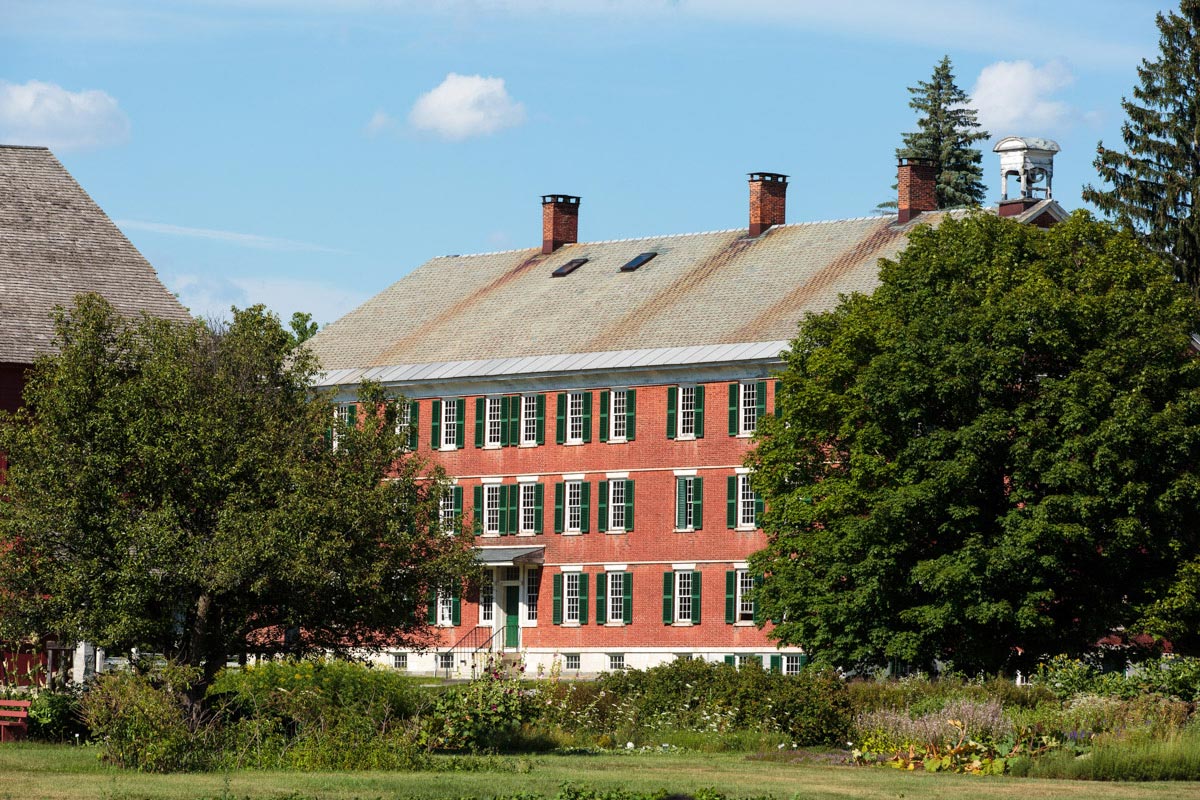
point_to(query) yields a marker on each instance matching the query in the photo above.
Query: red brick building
(56, 243)
(594, 403)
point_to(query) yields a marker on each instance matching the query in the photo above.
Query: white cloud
(40, 113)
(463, 106)
(211, 296)
(380, 121)
(1016, 98)
(242, 239)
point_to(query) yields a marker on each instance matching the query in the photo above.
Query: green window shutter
(731, 661)
(696, 597)
(804, 659)
(760, 400)
(602, 506)
(627, 600)
(503, 515)
(560, 490)
(480, 415)
(431, 610)
(730, 596)
(699, 424)
(585, 506)
(583, 599)
(733, 409)
(672, 407)
(541, 419)
(457, 501)
(414, 423)
(758, 509)
(668, 598)
(778, 408)
(697, 503)
(514, 507)
(462, 418)
(505, 422)
(776, 663)
(630, 414)
(455, 608)
(604, 395)
(587, 416)
(514, 420)
(352, 416)
(680, 502)
(601, 597)
(628, 505)
(560, 419)
(556, 613)
(329, 437)
(435, 424)
(757, 615)
(731, 517)
(477, 511)
(538, 513)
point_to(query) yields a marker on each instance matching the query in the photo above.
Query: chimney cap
(767, 176)
(569, 199)
(903, 161)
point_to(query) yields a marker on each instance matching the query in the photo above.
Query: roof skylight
(637, 262)
(569, 267)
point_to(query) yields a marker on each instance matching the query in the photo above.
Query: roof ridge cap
(23, 147)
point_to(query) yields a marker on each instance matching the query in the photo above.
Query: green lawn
(44, 771)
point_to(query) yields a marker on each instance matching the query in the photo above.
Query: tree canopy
(946, 134)
(1154, 183)
(173, 487)
(991, 458)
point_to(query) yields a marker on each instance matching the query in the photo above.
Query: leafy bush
(54, 717)
(485, 714)
(141, 723)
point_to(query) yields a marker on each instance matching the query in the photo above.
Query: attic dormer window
(637, 262)
(569, 267)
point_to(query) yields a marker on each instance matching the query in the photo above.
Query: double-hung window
(743, 506)
(747, 405)
(743, 603)
(571, 501)
(446, 605)
(533, 583)
(491, 509)
(616, 505)
(573, 422)
(447, 423)
(685, 412)
(406, 422)
(528, 507)
(793, 663)
(529, 418)
(570, 597)
(450, 508)
(614, 596)
(681, 596)
(345, 415)
(493, 425)
(689, 503)
(487, 599)
(618, 415)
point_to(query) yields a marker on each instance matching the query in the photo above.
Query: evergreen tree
(1155, 182)
(947, 131)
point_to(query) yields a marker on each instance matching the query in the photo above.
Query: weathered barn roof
(55, 243)
(700, 290)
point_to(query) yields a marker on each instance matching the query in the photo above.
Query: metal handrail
(462, 647)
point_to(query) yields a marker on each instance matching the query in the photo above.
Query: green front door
(512, 607)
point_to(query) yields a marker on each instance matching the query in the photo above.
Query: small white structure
(1031, 160)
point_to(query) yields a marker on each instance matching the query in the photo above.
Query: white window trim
(566, 597)
(742, 405)
(738, 594)
(522, 507)
(608, 581)
(532, 418)
(567, 529)
(613, 483)
(613, 438)
(449, 414)
(490, 607)
(679, 618)
(688, 512)
(685, 473)
(524, 620)
(743, 482)
(445, 609)
(568, 438)
(488, 444)
(488, 508)
(679, 434)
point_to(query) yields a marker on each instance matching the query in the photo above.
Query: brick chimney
(917, 180)
(560, 221)
(768, 201)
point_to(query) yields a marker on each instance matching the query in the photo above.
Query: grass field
(48, 771)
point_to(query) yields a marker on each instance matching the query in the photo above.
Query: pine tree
(947, 131)
(1155, 182)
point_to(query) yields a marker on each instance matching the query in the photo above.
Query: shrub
(54, 717)
(485, 714)
(141, 723)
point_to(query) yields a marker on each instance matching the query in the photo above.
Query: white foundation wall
(592, 661)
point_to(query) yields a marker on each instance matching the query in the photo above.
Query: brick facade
(916, 181)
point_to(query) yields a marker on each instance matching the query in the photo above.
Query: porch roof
(510, 556)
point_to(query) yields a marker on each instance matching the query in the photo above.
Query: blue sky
(306, 154)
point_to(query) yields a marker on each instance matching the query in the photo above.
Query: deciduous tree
(173, 487)
(995, 454)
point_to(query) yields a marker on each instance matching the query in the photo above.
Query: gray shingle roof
(55, 243)
(702, 289)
